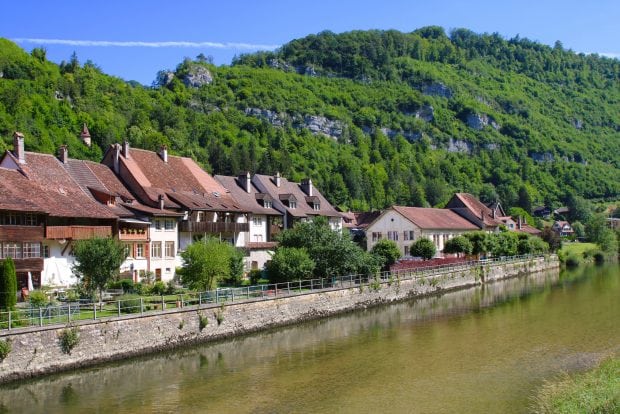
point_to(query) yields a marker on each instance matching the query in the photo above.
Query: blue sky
(226, 28)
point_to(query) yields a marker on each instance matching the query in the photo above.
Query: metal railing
(150, 305)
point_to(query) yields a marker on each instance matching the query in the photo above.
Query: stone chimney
(125, 149)
(63, 154)
(18, 147)
(85, 136)
(306, 186)
(246, 181)
(277, 179)
(160, 201)
(163, 153)
(116, 148)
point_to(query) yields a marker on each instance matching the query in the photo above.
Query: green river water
(481, 350)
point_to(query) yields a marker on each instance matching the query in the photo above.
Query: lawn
(577, 248)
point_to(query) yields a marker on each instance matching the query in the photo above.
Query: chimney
(163, 153)
(306, 186)
(85, 135)
(125, 149)
(18, 147)
(117, 154)
(519, 223)
(246, 181)
(493, 213)
(277, 179)
(160, 201)
(63, 154)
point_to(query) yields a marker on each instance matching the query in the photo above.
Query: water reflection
(484, 348)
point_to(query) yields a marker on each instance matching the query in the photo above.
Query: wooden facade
(22, 233)
(77, 232)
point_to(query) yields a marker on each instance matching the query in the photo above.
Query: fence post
(217, 295)
(119, 307)
(141, 306)
(94, 311)
(299, 285)
(232, 295)
(9, 319)
(163, 304)
(288, 285)
(199, 299)
(248, 292)
(69, 312)
(40, 317)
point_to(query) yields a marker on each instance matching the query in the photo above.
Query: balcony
(77, 232)
(32, 264)
(22, 233)
(213, 227)
(132, 234)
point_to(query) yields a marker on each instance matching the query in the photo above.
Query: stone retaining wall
(37, 352)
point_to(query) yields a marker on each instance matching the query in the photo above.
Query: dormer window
(292, 204)
(200, 216)
(267, 204)
(317, 206)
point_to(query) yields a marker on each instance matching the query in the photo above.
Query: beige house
(404, 225)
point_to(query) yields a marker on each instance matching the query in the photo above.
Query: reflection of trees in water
(171, 376)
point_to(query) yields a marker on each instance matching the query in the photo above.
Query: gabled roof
(42, 184)
(181, 182)
(247, 201)
(359, 220)
(287, 190)
(472, 209)
(435, 218)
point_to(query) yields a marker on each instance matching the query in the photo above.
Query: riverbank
(596, 391)
(42, 351)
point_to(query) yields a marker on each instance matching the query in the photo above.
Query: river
(485, 349)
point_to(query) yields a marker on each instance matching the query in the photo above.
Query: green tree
(579, 208)
(579, 229)
(206, 262)
(552, 238)
(424, 248)
(98, 261)
(237, 267)
(288, 264)
(458, 245)
(598, 232)
(524, 199)
(8, 284)
(387, 253)
(479, 241)
(505, 244)
(531, 244)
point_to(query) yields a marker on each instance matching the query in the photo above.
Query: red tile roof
(359, 220)
(247, 201)
(435, 218)
(474, 208)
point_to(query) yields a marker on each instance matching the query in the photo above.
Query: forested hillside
(374, 117)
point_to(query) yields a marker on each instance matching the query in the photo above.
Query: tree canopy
(206, 262)
(98, 261)
(424, 248)
(8, 284)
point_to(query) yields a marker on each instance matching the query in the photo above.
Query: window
(406, 250)
(317, 206)
(392, 235)
(12, 219)
(30, 219)
(408, 235)
(258, 237)
(31, 250)
(140, 250)
(267, 204)
(376, 235)
(292, 204)
(158, 225)
(258, 221)
(200, 216)
(46, 251)
(169, 224)
(169, 249)
(12, 249)
(156, 249)
(127, 248)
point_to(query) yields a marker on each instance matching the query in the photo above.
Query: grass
(577, 248)
(596, 391)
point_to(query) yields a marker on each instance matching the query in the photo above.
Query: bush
(68, 339)
(203, 321)
(424, 248)
(130, 303)
(38, 299)
(573, 260)
(255, 275)
(5, 349)
(159, 288)
(599, 257)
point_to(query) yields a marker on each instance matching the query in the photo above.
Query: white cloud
(111, 43)
(610, 54)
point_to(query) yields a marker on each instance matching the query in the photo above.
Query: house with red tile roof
(43, 211)
(404, 225)
(472, 209)
(164, 181)
(264, 221)
(563, 228)
(149, 234)
(297, 201)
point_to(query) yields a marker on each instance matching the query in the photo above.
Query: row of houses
(463, 213)
(154, 203)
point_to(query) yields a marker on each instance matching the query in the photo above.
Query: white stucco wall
(167, 265)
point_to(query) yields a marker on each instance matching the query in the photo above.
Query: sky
(134, 39)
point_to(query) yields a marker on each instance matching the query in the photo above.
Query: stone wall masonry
(37, 351)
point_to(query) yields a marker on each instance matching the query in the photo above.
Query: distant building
(473, 210)
(563, 228)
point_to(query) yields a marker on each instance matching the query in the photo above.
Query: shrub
(203, 321)
(573, 260)
(8, 284)
(5, 349)
(159, 288)
(255, 275)
(68, 339)
(599, 257)
(38, 299)
(130, 303)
